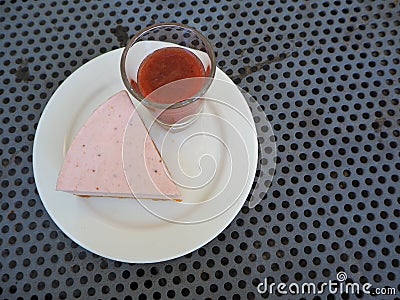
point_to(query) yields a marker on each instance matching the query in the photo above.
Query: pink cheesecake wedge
(93, 165)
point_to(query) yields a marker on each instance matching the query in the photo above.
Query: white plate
(125, 229)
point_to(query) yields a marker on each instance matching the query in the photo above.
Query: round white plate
(125, 229)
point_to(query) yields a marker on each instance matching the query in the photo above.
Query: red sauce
(168, 65)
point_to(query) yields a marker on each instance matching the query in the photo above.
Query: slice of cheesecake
(94, 164)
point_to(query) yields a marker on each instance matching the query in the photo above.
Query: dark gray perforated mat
(327, 75)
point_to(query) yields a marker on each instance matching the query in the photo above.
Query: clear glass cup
(178, 102)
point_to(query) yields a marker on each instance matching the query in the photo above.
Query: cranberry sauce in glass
(168, 65)
(168, 68)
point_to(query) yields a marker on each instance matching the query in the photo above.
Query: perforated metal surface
(326, 74)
